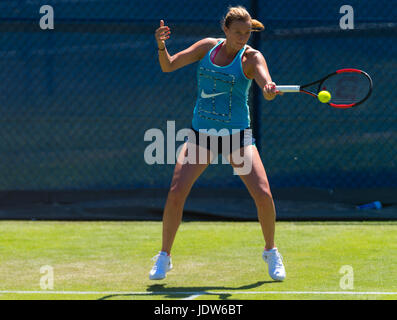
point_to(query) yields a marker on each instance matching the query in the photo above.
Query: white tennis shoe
(275, 264)
(162, 265)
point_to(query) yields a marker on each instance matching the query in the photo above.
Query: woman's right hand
(270, 91)
(162, 34)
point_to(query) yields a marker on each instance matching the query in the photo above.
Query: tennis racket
(348, 87)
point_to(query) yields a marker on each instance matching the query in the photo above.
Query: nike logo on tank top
(222, 98)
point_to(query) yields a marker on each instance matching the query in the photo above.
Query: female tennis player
(225, 72)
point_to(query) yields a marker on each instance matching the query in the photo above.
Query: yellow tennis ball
(324, 96)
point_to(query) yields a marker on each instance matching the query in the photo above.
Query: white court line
(192, 297)
(198, 293)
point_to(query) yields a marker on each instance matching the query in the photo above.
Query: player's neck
(229, 50)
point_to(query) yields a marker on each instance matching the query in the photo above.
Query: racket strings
(347, 88)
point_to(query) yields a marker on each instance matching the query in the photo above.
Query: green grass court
(212, 260)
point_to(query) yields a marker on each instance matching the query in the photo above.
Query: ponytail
(257, 26)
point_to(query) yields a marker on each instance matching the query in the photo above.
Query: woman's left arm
(262, 76)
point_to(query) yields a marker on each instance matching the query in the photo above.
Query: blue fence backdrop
(76, 101)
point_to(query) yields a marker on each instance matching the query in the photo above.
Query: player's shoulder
(204, 45)
(253, 55)
(210, 42)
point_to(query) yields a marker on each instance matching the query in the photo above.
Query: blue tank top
(222, 96)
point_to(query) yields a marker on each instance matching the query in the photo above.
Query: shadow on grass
(181, 292)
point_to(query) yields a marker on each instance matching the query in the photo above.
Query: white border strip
(197, 293)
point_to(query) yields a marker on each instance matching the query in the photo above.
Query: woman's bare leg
(258, 186)
(185, 174)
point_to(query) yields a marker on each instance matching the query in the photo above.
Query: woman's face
(238, 33)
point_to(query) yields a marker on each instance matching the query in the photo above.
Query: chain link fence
(76, 101)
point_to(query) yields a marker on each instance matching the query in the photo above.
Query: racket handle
(288, 88)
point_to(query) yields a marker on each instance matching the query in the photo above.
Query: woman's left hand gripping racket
(347, 87)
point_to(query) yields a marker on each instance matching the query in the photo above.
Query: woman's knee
(263, 195)
(177, 194)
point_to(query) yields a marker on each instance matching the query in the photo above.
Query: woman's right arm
(190, 55)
